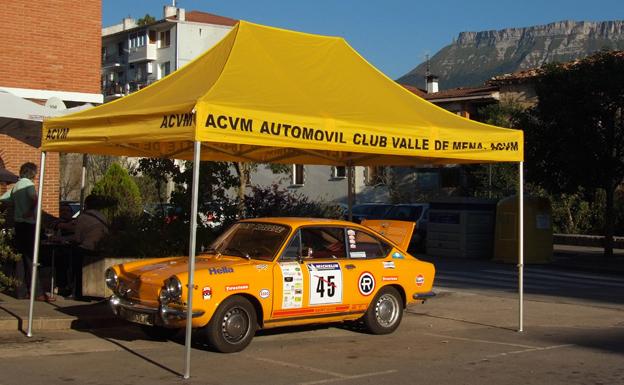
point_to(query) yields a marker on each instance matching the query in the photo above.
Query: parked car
(369, 211)
(271, 272)
(412, 212)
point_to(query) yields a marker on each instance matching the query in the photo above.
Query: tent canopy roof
(264, 94)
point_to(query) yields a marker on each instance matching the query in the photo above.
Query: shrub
(274, 202)
(7, 255)
(118, 186)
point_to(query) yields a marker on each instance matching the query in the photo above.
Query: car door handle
(350, 266)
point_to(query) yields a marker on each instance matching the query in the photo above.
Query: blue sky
(394, 35)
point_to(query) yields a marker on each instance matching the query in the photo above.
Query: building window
(165, 69)
(339, 172)
(297, 175)
(137, 39)
(152, 35)
(375, 175)
(120, 48)
(165, 39)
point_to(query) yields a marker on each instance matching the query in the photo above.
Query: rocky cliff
(477, 56)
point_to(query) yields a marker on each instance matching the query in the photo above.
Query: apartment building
(136, 53)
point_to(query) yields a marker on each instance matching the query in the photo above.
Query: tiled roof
(415, 90)
(207, 18)
(455, 93)
(531, 73)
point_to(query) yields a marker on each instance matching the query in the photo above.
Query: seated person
(91, 227)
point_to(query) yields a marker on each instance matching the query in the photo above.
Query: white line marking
(595, 280)
(481, 341)
(297, 366)
(530, 350)
(349, 377)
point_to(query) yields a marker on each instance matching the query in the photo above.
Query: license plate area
(137, 317)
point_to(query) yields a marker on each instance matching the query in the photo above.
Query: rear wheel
(159, 332)
(385, 312)
(232, 326)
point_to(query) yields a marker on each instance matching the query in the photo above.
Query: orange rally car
(270, 272)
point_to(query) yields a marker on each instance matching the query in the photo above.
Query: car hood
(158, 272)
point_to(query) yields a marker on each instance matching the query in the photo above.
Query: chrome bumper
(161, 315)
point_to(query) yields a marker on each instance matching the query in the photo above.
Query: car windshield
(251, 240)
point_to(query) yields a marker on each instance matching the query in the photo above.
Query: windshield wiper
(239, 253)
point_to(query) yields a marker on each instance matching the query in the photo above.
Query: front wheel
(232, 326)
(385, 312)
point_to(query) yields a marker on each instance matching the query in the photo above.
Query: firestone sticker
(242, 286)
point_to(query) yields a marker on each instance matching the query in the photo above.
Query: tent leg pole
(350, 190)
(521, 246)
(83, 180)
(191, 261)
(35, 256)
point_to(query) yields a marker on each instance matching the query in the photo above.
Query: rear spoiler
(399, 232)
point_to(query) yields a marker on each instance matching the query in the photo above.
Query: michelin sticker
(292, 285)
(325, 283)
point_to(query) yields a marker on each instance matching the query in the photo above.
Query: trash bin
(461, 227)
(538, 232)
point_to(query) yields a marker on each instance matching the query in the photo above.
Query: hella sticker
(220, 270)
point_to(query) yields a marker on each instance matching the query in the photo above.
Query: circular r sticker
(366, 283)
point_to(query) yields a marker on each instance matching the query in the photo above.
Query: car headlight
(172, 291)
(112, 280)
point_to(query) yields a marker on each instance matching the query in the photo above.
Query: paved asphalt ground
(574, 334)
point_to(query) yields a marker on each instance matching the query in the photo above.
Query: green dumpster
(538, 233)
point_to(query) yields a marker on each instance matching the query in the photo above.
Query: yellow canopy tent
(268, 95)
(264, 94)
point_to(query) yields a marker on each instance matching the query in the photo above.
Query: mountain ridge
(474, 57)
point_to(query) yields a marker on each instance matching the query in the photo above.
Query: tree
(119, 187)
(496, 180)
(145, 20)
(575, 133)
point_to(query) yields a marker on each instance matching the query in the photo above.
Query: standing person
(24, 199)
(91, 227)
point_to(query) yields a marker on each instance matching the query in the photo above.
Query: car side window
(323, 242)
(364, 246)
(293, 249)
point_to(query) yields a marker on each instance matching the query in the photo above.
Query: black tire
(232, 326)
(158, 332)
(385, 312)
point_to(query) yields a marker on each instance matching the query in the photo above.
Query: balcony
(146, 52)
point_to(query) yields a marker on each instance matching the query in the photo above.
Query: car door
(365, 269)
(309, 274)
